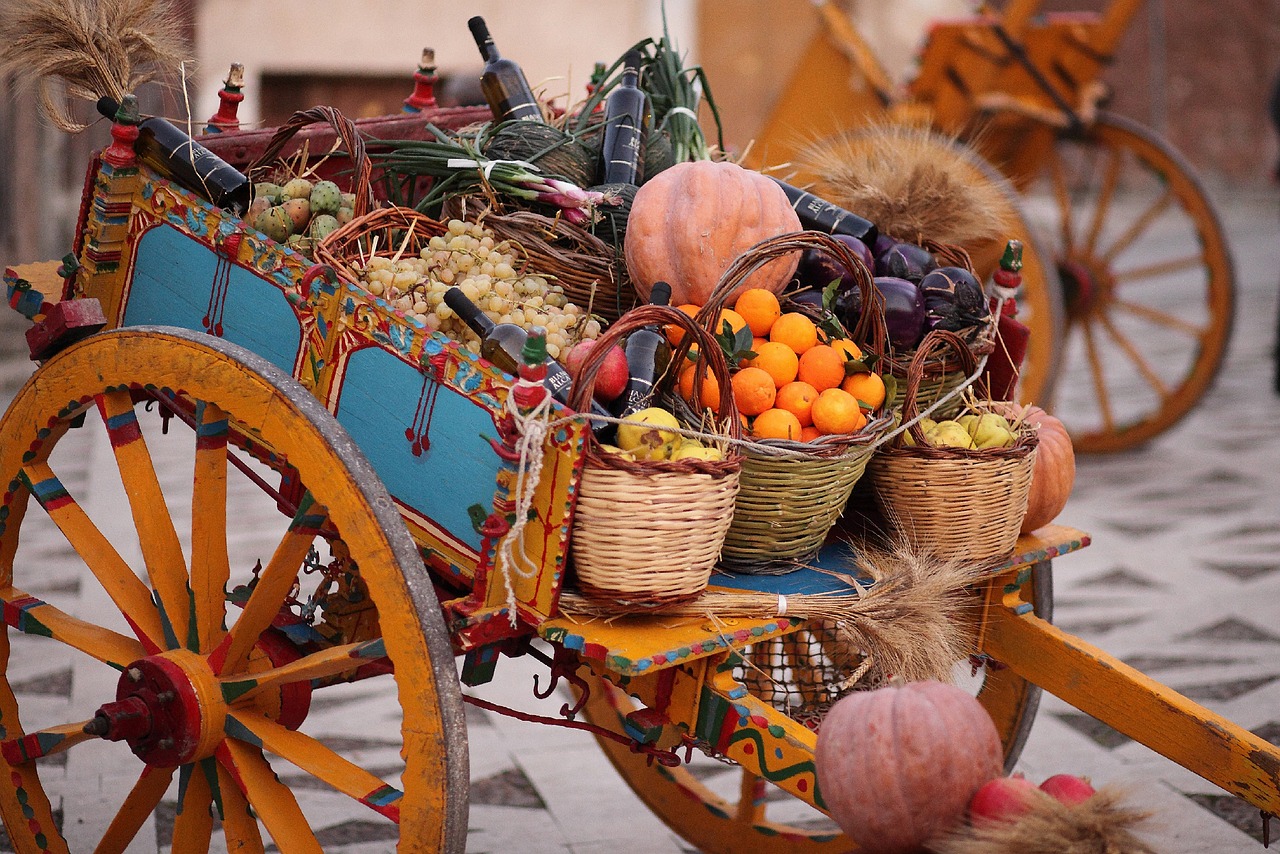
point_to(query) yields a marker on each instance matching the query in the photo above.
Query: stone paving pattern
(1182, 581)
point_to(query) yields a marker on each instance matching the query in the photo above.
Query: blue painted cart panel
(174, 285)
(383, 398)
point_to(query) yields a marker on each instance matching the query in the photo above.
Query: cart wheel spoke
(1135, 356)
(1139, 226)
(1102, 206)
(317, 760)
(318, 665)
(1062, 197)
(751, 799)
(161, 551)
(138, 805)
(271, 799)
(273, 584)
(1096, 373)
(28, 614)
(193, 826)
(239, 827)
(1160, 318)
(44, 742)
(1159, 269)
(126, 590)
(210, 566)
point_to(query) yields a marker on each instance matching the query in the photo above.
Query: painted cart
(231, 379)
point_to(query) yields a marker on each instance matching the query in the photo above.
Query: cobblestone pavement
(1182, 581)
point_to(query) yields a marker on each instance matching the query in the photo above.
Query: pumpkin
(1054, 472)
(691, 221)
(897, 766)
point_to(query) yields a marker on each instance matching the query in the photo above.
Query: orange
(736, 321)
(777, 424)
(836, 411)
(756, 344)
(808, 434)
(710, 388)
(760, 308)
(753, 391)
(797, 398)
(795, 330)
(844, 345)
(867, 387)
(675, 334)
(777, 360)
(822, 366)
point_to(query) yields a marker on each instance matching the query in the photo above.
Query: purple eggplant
(904, 311)
(953, 299)
(905, 261)
(819, 268)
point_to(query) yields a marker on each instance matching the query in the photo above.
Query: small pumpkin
(897, 766)
(1054, 472)
(691, 221)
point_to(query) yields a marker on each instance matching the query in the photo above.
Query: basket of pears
(957, 487)
(654, 505)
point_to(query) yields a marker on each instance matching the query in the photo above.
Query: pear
(927, 425)
(991, 431)
(969, 421)
(614, 449)
(694, 450)
(949, 434)
(649, 438)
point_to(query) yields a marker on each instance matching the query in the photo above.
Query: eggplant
(953, 299)
(904, 311)
(819, 268)
(905, 261)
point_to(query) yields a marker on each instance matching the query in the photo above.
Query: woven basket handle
(346, 130)
(710, 358)
(936, 343)
(870, 329)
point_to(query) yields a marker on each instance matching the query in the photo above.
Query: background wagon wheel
(1147, 281)
(741, 811)
(203, 665)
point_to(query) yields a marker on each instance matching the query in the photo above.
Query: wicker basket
(792, 493)
(956, 503)
(942, 372)
(647, 533)
(385, 232)
(590, 271)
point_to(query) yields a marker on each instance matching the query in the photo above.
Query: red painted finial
(124, 132)
(424, 84)
(229, 98)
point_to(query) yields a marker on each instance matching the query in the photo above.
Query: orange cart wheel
(1148, 285)
(721, 808)
(218, 649)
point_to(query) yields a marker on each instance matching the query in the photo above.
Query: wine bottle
(166, 148)
(647, 356)
(503, 82)
(820, 215)
(627, 118)
(503, 343)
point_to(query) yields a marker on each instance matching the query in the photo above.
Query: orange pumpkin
(1054, 473)
(897, 766)
(691, 221)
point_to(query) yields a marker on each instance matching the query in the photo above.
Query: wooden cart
(379, 457)
(1128, 284)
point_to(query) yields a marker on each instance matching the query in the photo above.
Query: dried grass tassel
(87, 49)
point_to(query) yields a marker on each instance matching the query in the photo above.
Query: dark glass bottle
(503, 343)
(503, 82)
(647, 356)
(166, 148)
(627, 118)
(820, 215)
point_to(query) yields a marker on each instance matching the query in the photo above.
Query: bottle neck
(484, 41)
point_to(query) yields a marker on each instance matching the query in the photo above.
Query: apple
(1068, 789)
(612, 375)
(1003, 799)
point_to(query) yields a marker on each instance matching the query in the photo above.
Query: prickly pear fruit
(345, 215)
(275, 223)
(322, 226)
(269, 191)
(298, 188)
(257, 207)
(299, 211)
(326, 198)
(349, 200)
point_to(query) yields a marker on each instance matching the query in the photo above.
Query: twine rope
(533, 427)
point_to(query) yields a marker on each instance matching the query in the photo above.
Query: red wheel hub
(164, 709)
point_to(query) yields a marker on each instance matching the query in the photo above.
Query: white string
(532, 428)
(782, 605)
(489, 165)
(682, 111)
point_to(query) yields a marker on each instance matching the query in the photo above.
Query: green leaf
(829, 294)
(890, 387)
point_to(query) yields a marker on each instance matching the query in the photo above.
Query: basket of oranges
(956, 487)
(652, 510)
(812, 408)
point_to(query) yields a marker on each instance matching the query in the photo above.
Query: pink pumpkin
(898, 765)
